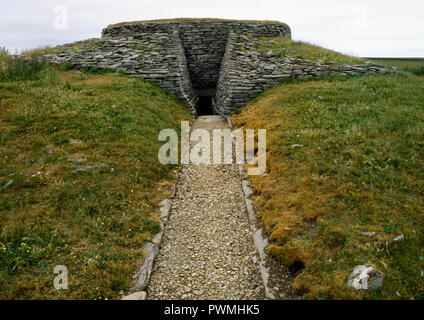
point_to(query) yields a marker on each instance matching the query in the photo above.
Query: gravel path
(207, 251)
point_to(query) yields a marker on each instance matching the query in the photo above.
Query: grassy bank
(94, 222)
(304, 50)
(345, 156)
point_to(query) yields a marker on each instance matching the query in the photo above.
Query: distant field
(413, 65)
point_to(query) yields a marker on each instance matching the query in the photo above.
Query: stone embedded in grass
(296, 146)
(78, 160)
(86, 168)
(165, 209)
(75, 141)
(369, 234)
(49, 152)
(142, 276)
(36, 174)
(397, 239)
(365, 277)
(8, 183)
(139, 295)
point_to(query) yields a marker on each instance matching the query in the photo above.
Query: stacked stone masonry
(246, 71)
(189, 59)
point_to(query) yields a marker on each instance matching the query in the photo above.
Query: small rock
(86, 168)
(320, 97)
(369, 234)
(398, 238)
(258, 289)
(143, 274)
(77, 160)
(297, 146)
(48, 151)
(198, 292)
(139, 295)
(365, 277)
(8, 183)
(75, 141)
(244, 38)
(36, 174)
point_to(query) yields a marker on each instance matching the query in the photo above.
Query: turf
(345, 156)
(305, 51)
(93, 222)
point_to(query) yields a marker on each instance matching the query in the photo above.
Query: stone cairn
(190, 59)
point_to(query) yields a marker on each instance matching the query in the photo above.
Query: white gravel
(207, 251)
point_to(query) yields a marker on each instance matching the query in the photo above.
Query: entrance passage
(204, 106)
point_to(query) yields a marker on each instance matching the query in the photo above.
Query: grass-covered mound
(94, 222)
(305, 51)
(345, 156)
(191, 20)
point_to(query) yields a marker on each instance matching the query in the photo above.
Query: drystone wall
(204, 42)
(217, 59)
(158, 57)
(246, 71)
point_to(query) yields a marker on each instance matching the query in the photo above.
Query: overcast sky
(372, 28)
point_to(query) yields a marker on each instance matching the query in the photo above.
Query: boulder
(365, 277)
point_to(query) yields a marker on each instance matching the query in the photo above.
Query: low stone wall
(245, 72)
(158, 57)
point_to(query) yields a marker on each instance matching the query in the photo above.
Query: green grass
(93, 222)
(305, 51)
(412, 65)
(360, 168)
(74, 46)
(15, 67)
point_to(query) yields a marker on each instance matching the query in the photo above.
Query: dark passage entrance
(204, 106)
